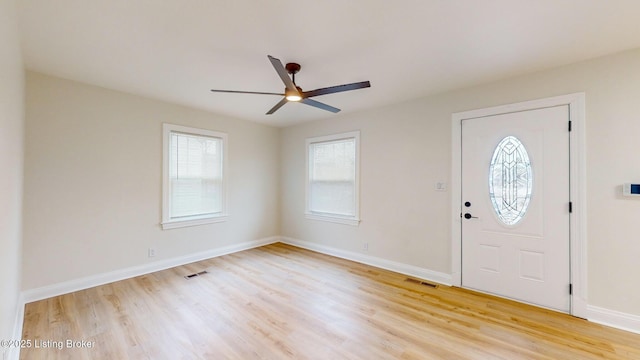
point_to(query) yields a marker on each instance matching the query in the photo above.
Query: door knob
(469, 216)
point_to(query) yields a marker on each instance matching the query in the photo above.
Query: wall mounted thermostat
(631, 189)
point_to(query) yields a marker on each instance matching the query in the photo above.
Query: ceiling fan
(293, 92)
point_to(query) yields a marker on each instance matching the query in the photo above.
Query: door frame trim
(577, 180)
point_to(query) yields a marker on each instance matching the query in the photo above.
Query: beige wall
(406, 149)
(403, 219)
(92, 193)
(11, 162)
(93, 182)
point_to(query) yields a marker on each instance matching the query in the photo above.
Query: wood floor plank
(281, 302)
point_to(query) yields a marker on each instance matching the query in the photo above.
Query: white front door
(515, 206)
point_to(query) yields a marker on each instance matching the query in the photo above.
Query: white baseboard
(613, 318)
(13, 353)
(105, 278)
(410, 270)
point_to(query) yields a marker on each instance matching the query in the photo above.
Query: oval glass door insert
(510, 180)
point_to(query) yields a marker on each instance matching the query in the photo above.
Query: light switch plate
(441, 186)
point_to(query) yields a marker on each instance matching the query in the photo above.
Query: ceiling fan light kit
(292, 95)
(292, 92)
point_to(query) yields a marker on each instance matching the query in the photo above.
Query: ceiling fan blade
(277, 106)
(246, 92)
(320, 105)
(335, 89)
(284, 75)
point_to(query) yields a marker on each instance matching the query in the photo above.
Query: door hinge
(569, 125)
(570, 289)
(570, 207)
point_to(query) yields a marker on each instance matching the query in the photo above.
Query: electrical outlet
(365, 247)
(152, 252)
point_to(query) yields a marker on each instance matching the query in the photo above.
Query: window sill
(174, 224)
(333, 219)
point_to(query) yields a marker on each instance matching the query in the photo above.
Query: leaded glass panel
(510, 180)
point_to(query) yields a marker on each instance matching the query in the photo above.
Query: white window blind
(194, 167)
(332, 188)
(195, 175)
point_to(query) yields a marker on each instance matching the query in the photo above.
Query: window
(332, 178)
(194, 186)
(510, 180)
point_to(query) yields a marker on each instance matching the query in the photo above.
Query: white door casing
(577, 171)
(516, 244)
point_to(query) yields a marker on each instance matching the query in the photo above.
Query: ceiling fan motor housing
(292, 68)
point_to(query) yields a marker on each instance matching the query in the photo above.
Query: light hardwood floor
(281, 302)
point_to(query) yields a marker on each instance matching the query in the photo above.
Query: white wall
(406, 149)
(11, 162)
(93, 182)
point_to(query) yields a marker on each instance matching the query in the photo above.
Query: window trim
(167, 221)
(334, 218)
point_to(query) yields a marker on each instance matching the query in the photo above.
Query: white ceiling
(177, 50)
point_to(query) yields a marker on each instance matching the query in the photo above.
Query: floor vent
(416, 281)
(191, 276)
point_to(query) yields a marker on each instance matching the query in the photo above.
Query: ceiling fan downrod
(293, 68)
